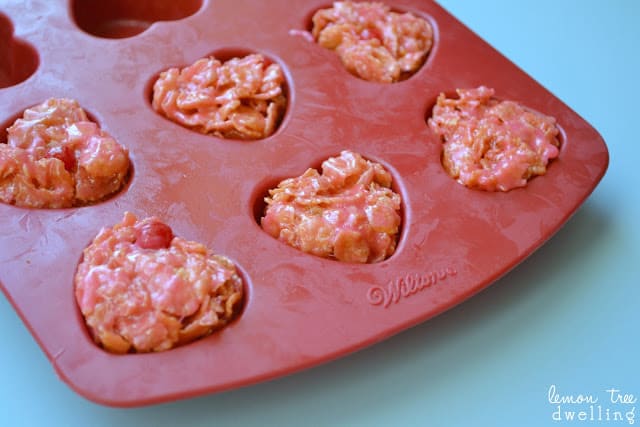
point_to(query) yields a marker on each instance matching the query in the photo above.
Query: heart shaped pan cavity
(116, 19)
(341, 210)
(185, 116)
(18, 59)
(47, 192)
(387, 38)
(511, 143)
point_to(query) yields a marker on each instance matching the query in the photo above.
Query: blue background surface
(568, 316)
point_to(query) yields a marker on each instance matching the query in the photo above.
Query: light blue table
(567, 317)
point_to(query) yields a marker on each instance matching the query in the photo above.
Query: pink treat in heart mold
(141, 289)
(56, 157)
(242, 98)
(348, 212)
(372, 41)
(490, 144)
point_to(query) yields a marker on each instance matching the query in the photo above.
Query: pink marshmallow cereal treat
(142, 289)
(373, 42)
(55, 157)
(348, 212)
(493, 145)
(242, 98)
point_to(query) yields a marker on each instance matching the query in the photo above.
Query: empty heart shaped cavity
(116, 19)
(18, 59)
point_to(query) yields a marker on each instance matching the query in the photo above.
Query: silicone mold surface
(300, 310)
(18, 60)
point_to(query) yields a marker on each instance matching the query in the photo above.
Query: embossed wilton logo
(406, 286)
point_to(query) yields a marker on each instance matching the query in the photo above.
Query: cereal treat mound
(142, 289)
(242, 98)
(373, 42)
(493, 145)
(348, 212)
(55, 157)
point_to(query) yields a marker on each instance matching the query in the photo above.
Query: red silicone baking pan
(300, 310)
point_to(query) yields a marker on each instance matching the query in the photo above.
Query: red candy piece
(153, 234)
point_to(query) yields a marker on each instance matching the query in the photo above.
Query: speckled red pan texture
(300, 310)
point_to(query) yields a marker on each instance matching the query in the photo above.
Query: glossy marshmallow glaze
(141, 289)
(299, 309)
